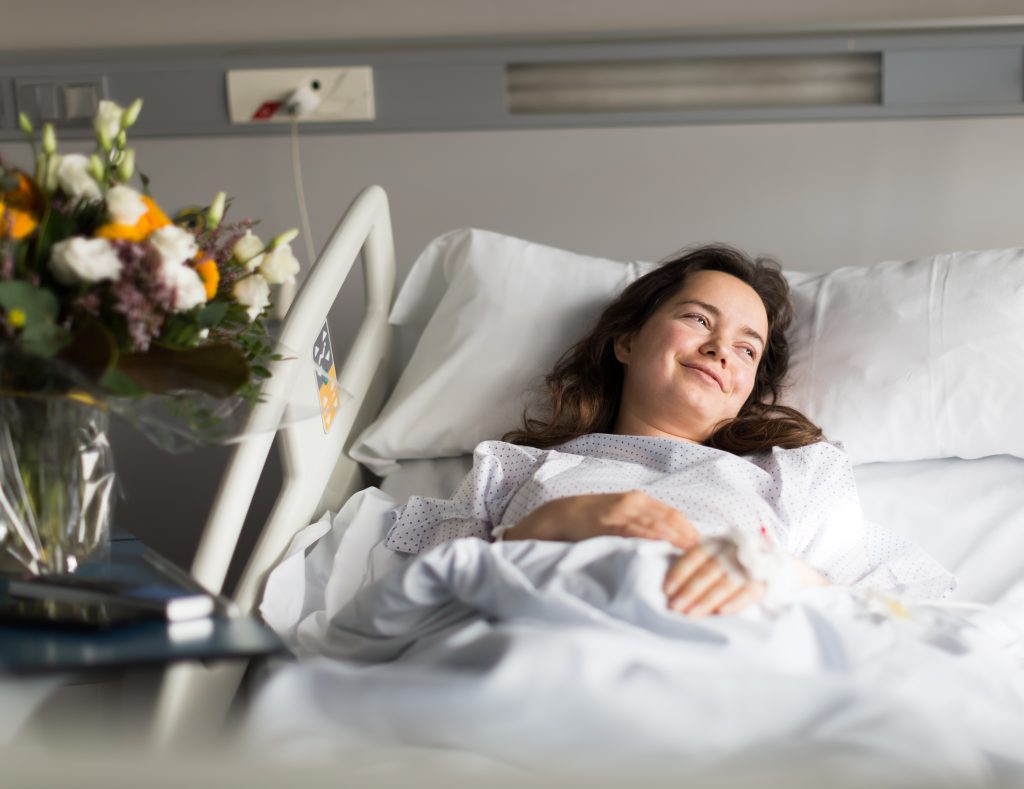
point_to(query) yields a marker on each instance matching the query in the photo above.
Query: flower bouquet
(106, 303)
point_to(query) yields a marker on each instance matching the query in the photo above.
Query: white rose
(174, 244)
(73, 177)
(254, 293)
(125, 205)
(188, 287)
(80, 260)
(248, 251)
(279, 265)
(108, 119)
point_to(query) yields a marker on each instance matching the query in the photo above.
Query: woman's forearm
(628, 514)
(541, 524)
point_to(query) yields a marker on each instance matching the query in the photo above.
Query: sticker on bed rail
(326, 377)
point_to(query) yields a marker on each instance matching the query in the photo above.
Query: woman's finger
(646, 532)
(709, 574)
(747, 595)
(683, 568)
(677, 537)
(718, 593)
(685, 534)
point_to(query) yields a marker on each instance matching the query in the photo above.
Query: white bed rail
(194, 698)
(315, 467)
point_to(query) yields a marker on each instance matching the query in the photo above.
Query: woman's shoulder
(606, 446)
(817, 457)
(825, 447)
(580, 445)
(503, 450)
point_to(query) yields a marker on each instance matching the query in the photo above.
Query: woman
(663, 424)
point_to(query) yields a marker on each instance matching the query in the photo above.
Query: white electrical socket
(258, 95)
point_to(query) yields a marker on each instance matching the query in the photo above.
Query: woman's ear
(622, 346)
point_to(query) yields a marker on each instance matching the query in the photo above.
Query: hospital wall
(816, 195)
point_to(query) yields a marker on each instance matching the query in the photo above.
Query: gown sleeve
(476, 507)
(826, 529)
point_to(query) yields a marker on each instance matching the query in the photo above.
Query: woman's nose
(715, 350)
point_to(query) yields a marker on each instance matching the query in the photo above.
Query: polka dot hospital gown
(805, 498)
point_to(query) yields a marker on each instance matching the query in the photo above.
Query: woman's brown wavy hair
(585, 387)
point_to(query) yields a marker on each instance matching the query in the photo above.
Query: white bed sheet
(968, 514)
(442, 692)
(467, 646)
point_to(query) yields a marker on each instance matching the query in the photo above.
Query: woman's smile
(705, 375)
(713, 327)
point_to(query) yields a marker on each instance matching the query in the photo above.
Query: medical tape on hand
(751, 557)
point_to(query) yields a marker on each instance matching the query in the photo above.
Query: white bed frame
(318, 475)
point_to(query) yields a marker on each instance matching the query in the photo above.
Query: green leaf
(180, 332)
(212, 314)
(88, 214)
(38, 304)
(43, 338)
(39, 333)
(120, 384)
(53, 227)
(219, 369)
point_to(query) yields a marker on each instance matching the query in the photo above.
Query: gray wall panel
(954, 76)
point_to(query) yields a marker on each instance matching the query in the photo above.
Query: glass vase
(56, 482)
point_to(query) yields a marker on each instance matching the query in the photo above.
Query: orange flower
(153, 219)
(210, 275)
(19, 209)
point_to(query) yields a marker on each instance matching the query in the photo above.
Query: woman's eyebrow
(716, 312)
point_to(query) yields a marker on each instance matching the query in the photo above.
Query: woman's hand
(709, 579)
(703, 581)
(631, 514)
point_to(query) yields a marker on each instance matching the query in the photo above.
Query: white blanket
(540, 654)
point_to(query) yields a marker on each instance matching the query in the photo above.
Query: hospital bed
(914, 365)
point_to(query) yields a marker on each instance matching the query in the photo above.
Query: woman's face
(693, 363)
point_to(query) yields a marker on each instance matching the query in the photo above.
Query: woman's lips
(706, 374)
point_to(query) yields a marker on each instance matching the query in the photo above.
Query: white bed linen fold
(968, 514)
(538, 653)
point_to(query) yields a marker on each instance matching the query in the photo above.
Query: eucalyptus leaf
(43, 338)
(38, 304)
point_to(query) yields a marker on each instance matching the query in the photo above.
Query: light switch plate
(66, 101)
(346, 93)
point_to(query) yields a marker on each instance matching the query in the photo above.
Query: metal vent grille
(694, 83)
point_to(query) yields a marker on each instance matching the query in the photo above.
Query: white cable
(303, 101)
(300, 195)
(286, 294)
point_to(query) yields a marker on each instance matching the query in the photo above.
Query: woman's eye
(699, 319)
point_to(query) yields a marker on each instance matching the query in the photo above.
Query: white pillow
(914, 360)
(879, 353)
(510, 309)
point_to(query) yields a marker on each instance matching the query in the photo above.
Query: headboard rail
(316, 470)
